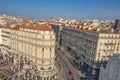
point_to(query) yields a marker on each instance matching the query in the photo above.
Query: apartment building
(93, 45)
(2, 19)
(34, 43)
(89, 46)
(117, 24)
(7, 19)
(57, 31)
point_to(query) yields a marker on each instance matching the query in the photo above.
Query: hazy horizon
(70, 9)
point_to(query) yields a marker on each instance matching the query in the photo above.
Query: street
(64, 66)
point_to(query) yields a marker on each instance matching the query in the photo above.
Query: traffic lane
(66, 65)
(69, 58)
(70, 66)
(60, 65)
(64, 68)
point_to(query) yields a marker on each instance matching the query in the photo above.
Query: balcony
(47, 72)
(36, 38)
(50, 64)
(46, 45)
(6, 36)
(41, 58)
(6, 46)
(35, 43)
(108, 50)
(109, 43)
(46, 39)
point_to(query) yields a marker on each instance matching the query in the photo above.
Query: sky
(72, 9)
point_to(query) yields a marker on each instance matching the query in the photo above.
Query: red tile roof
(7, 26)
(16, 27)
(37, 26)
(108, 31)
(44, 27)
(1, 15)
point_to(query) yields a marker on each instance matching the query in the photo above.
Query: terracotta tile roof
(23, 25)
(7, 26)
(44, 27)
(1, 15)
(37, 26)
(87, 25)
(108, 31)
(80, 24)
(16, 27)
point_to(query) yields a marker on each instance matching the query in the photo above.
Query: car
(70, 73)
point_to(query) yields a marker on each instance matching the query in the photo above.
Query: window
(42, 49)
(42, 62)
(119, 43)
(50, 37)
(98, 54)
(43, 37)
(117, 48)
(50, 50)
(99, 49)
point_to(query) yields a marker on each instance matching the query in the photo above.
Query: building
(92, 45)
(89, 46)
(117, 24)
(112, 70)
(0, 43)
(2, 19)
(0, 36)
(57, 31)
(6, 19)
(31, 43)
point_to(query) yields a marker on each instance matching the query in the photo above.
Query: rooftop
(90, 27)
(44, 26)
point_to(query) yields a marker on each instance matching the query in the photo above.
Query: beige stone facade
(107, 45)
(32, 43)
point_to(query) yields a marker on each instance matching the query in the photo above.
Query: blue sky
(76, 9)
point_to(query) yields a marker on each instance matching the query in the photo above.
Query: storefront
(89, 71)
